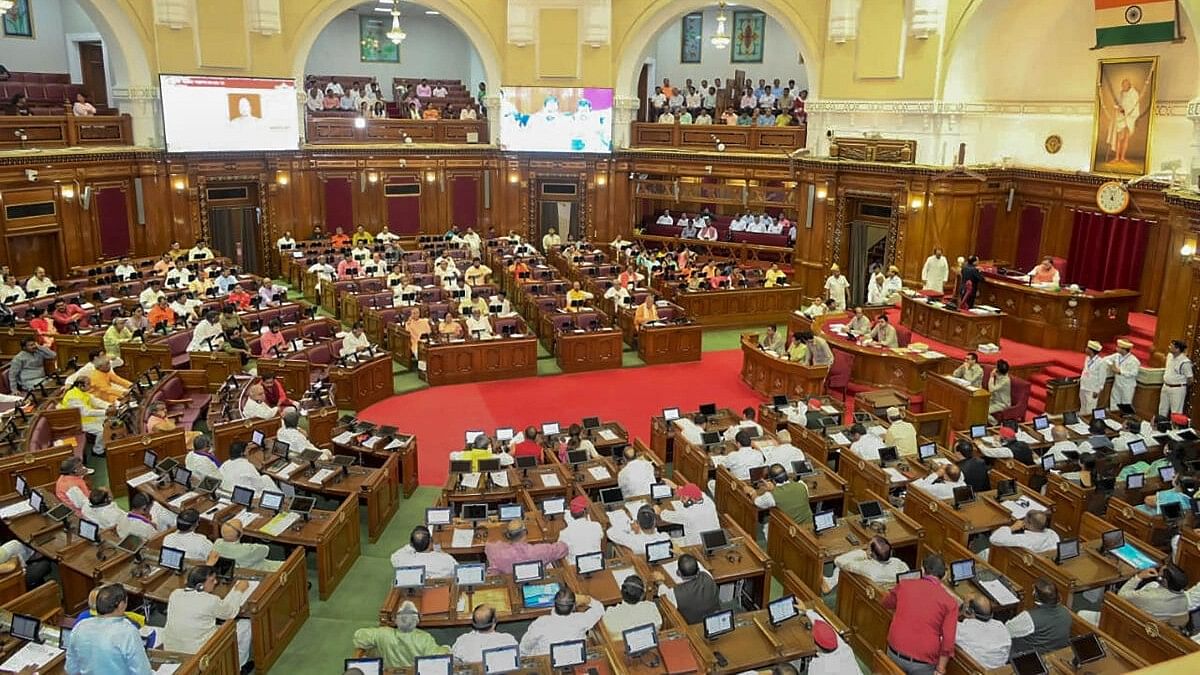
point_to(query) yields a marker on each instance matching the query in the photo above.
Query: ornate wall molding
(1162, 108)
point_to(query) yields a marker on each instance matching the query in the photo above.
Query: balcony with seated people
(47, 110)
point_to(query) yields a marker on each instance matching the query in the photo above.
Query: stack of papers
(1079, 428)
(607, 435)
(499, 478)
(1112, 424)
(142, 479)
(322, 476)
(840, 439)
(288, 470)
(599, 473)
(462, 538)
(894, 475)
(344, 438)
(550, 480)
(180, 500)
(372, 442)
(16, 510)
(247, 517)
(829, 410)
(31, 655)
(999, 592)
(1025, 438)
(279, 524)
(470, 480)
(398, 442)
(623, 573)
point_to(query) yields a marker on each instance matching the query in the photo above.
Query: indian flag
(1127, 22)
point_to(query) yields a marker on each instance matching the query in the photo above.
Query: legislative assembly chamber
(599, 337)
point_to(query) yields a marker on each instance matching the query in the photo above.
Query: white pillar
(142, 104)
(624, 111)
(492, 103)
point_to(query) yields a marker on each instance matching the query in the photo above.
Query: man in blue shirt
(108, 643)
(226, 281)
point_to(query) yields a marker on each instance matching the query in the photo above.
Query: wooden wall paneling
(600, 192)
(32, 241)
(1180, 283)
(103, 191)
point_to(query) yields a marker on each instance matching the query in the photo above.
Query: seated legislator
(201, 461)
(941, 482)
(1032, 534)
(646, 312)
(581, 534)
(697, 596)
(107, 642)
(114, 336)
(481, 448)
(290, 432)
(355, 341)
(1045, 274)
(884, 333)
(636, 477)
(970, 371)
(362, 237)
(193, 613)
(771, 340)
(774, 277)
(195, 546)
(339, 239)
(138, 521)
(247, 555)
(399, 646)
(67, 316)
(502, 555)
(39, 284)
(564, 624)
(102, 510)
(469, 647)
(633, 610)
(980, 635)
(634, 535)
(237, 470)
(158, 419)
(71, 488)
(900, 433)
(694, 511)
(106, 384)
(1000, 388)
(577, 297)
(1044, 628)
(873, 561)
(92, 410)
(419, 552)
(417, 327)
(256, 406)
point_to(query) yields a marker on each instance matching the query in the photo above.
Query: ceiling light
(432, 12)
(385, 10)
(396, 34)
(720, 39)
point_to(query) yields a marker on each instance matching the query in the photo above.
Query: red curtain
(1107, 251)
(113, 217)
(987, 231)
(464, 196)
(1029, 238)
(339, 205)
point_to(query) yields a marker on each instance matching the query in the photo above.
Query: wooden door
(91, 64)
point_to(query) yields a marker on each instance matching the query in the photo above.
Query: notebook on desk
(677, 657)
(435, 600)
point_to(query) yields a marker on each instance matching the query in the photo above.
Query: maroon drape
(987, 231)
(1029, 237)
(339, 205)
(464, 197)
(112, 214)
(404, 211)
(1107, 251)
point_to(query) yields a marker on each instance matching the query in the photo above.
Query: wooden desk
(360, 386)
(769, 375)
(1151, 639)
(965, 330)
(1089, 570)
(577, 351)
(501, 591)
(796, 548)
(471, 360)
(968, 406)
(742, 561)
(486, 532)
(878, 366)
(378, 456)
(754, 643)
(488, 491)
(1057, 319)
(738, 306)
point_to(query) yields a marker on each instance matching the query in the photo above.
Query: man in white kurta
(1124, 367)
(193, 612)
(1177, 375)
(837, 286)
(1092, 378)
(1125, 119)
(935, 273)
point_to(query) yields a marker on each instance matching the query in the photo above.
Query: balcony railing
(706, 137)
(335, 130)
(61, 131)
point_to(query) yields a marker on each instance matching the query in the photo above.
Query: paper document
(288, 470)
(607, 435)
(550, 480)
(322, 476)
(279, 524)
(499, 478)
(16, 510)
(471, 480)
(142, 479)
(344, 438)
(1025, 437)
(623, 573)
(462, 539)
(894, 475)
(247, 517)
(372, 442)
(1112, 424)
(840, 439)
(999, 592)
(619, 518)
(1079, 428)
(182, 499)
(876, 430)
(398, 442)
(829, 410)
(167, 669)
(31, 655)
(599, 473)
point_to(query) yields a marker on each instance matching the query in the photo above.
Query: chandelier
(720, 39)
(396, 34)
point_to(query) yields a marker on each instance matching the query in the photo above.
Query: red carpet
(439, 415)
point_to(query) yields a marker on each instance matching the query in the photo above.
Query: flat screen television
(204, 113)
(556, 119)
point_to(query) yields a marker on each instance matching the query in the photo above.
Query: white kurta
(1091, 381)
(935, 273)
(836, 287)
(1125, 378)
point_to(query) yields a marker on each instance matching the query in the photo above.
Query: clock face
(1112, 197)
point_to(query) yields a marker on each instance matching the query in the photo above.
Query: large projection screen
(203, 113)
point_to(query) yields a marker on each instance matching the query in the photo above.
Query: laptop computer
(1066, 550)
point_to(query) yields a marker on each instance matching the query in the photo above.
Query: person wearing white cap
(1093, 377)
(837, 288)
(1125, 367)
(893, 283)
(900, 433)
(1177, 375)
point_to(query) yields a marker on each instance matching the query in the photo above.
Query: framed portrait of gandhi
(1126, 93)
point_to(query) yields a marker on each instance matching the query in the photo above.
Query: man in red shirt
(921, 637)
(529, 447)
